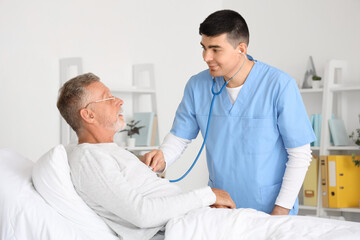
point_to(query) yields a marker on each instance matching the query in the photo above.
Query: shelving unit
(333, 84)
(142, 92)
(315, 148)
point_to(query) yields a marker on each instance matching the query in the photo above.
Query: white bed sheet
(211, 223)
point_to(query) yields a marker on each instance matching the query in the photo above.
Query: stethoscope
(208, 122)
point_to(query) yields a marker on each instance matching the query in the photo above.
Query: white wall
(112, 35)
(285, 33)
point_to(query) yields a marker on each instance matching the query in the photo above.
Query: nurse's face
(221, 57)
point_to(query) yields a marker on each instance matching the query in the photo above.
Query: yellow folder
(324, 181)
(343, 181)
(310, 185)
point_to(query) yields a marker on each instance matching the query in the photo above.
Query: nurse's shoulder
(202, 77)
(273, 75)
(201, 80)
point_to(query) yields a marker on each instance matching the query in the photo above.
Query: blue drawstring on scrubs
(208, 122)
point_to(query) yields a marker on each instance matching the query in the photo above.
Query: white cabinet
(343, 100)
(140, 96)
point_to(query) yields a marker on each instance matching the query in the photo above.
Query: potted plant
(131, 130)
(316, 81)
(357, 142)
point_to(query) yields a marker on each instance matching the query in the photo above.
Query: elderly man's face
(106, 108)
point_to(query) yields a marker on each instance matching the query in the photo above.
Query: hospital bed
(53, 210)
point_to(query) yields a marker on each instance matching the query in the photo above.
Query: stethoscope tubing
(209, 119)
(207, 130)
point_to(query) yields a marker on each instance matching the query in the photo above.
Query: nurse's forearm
(296, 168)
(280, 211)
(173, 147)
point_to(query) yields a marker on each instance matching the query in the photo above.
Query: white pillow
(51, 178)
(23, 212)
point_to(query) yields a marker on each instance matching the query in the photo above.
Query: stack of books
(316, 125)
(338, 133)
(149, 134)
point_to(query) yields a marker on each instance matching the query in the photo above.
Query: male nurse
(258, 145)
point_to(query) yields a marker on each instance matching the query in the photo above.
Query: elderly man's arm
(106, 185)
(170, 150)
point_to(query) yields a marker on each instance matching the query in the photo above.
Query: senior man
(129, 197)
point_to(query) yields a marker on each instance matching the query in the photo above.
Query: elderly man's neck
(95, 137)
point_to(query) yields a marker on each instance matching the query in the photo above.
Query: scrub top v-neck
(247, 141)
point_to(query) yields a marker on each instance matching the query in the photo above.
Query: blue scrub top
(246, 143)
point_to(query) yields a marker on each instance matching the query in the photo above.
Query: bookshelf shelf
(315, 148)
(344, 88)
(352, 210)
(311, 90)
(304, 207)
(344, 148)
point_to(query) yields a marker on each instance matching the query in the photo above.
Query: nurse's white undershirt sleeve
(296, 168)
(172, 148)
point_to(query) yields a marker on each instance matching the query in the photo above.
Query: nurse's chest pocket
(258, 135)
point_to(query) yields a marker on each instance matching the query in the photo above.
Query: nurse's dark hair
(226, 21)
(73, 96)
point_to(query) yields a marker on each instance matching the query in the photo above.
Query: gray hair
(72, 97)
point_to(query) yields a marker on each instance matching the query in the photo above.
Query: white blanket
(209, 223)
(25, 215)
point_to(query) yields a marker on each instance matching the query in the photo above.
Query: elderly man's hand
(155, 159)
(280, 211)
(223, 199)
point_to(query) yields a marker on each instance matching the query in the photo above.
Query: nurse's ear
(242, 48)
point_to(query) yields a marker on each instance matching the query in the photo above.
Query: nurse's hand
(223, 199)
(280, 211)
(155, 159)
